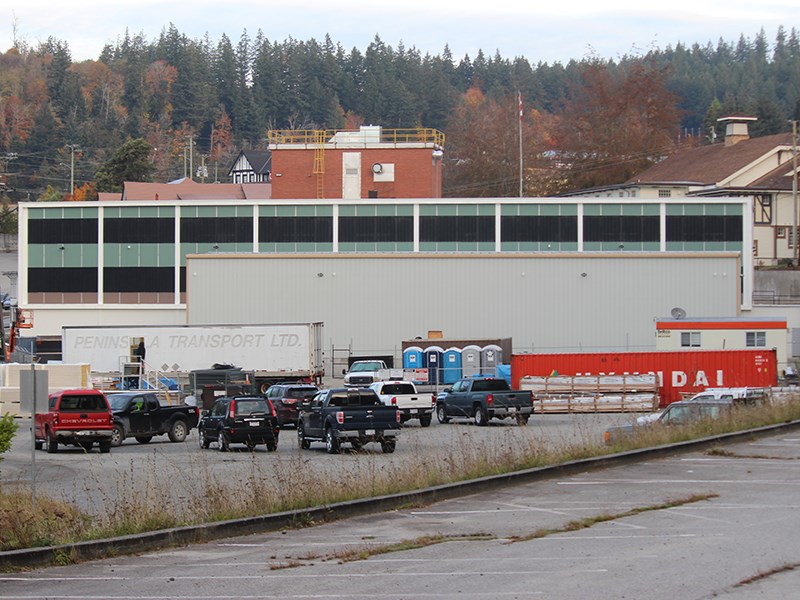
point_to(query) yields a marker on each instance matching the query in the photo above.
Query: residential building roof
(710, 165)
(187, 189)
(260, 161)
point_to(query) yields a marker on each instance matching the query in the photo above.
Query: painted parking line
(294, 574)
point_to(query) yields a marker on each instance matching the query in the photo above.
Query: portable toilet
(470, 361)
(433, 361)
(491, 356)
(412, 357)
(451, 365)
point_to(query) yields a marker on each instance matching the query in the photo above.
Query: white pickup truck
(363, 372)
(404, 396)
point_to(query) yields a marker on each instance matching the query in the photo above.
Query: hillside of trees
(182, 101)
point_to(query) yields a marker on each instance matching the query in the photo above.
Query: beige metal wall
(546, 303)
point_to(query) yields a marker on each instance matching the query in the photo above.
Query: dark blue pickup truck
(348, 415)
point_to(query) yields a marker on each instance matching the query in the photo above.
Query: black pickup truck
(140, 414)
(340, 415)
(484, 399)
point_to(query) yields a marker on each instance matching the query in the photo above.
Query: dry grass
(194, 492)
(51, 522)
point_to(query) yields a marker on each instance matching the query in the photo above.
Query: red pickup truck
(75, 417)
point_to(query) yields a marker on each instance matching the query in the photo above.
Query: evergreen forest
(173, 106)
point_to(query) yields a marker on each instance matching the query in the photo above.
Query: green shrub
(8, 428)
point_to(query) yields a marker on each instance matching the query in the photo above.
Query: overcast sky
(540, 31)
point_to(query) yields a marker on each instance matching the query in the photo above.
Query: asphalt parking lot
(692, 525)
(94, 481)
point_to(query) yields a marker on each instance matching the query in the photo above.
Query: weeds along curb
(146, 542)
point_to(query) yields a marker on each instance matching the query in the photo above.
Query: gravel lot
(137, 472)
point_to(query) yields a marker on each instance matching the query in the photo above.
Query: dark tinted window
(249, 406)
(353, 398)
(489, 385)
(398, 388)
(539, 229)
(308, 392)
(91, 402)
(62, 279)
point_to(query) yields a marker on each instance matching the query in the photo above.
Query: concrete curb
(146, 542)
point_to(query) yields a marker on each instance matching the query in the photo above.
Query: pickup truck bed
(74, 417)
(139, 414)
(404, 396)
(343, 415)
(482, 400)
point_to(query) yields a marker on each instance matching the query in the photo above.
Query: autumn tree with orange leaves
(615, 124)
(483, 148)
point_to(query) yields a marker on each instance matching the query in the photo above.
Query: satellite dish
(678, 313)
(377, 168)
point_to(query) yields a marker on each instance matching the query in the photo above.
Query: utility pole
(191, 157)
(72, 149)
(794, 191)
(519, 96)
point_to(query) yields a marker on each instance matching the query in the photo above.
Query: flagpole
(519, 94)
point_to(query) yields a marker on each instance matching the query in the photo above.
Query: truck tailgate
(512, 399)
(97, 420)
(372, 417)
(420, 401)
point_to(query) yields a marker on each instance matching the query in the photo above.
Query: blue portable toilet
(451, 365)
(433, 361)
(412, 357)
(491, 356)
(470, 361)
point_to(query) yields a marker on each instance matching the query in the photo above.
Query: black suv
(287, 397)
(248, 420)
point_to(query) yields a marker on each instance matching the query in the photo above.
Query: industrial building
(565, 274)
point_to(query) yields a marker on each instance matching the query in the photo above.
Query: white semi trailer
(273, 352)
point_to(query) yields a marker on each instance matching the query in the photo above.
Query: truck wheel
(105, 446)
(178, 431)
(479, 415)
(441, 414)
(204, 443)
(425, 420)
(388, 446)
(272, 446)
(331, 443)
(38, 444)
(144, 439)
(301, 437)
(522, 420)
(52, 444)
(223, 442)
(117, 435)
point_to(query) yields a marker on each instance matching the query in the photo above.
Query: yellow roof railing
(365, 135)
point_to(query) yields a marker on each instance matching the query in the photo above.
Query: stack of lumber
(593, 393)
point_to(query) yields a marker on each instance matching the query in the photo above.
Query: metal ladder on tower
(319, 161)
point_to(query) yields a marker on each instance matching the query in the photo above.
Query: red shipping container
(687, 372)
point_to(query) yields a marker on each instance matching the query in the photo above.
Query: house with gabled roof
(252, 166)
(759, 167)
